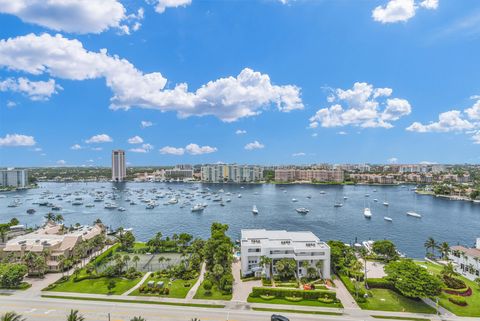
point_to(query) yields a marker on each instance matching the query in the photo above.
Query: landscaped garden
(323, 298)
(459, 295)
(161, 285)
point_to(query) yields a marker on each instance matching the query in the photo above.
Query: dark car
(278, 317)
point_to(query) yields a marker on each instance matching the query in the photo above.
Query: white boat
(337, 204)
(323, 192)
(388, 219)
(228, 200)
(198, 208)
(367, 213)
(375, 200)
(90, 205)
(150, 206)
(294, 200)
(121, 209)
(414, 214)
(386, 203)
(110, 206)
(172, 201)
(302, 210)
(345, 198)
(254, 209)
(239, 195)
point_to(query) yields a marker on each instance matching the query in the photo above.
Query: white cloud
(450, 121)
(314, 134)
(429, 4)
(35, 90)
(361, 106)
(342, 133)
(146, 123)
(393, 160)
(474, 111)
(144, 149)
(194, 149)
(11, 104)
(240, 132)
(97, 149)
(61, 162)
(17, 140)
(172, 150)
(76, 147)
(476, 137)
(229, 99)
(37, 149)
(76, 16)
(161, 5)
(401, 10)
(298, 154)
(135, 140)
(101, 138)
(394, 11)
(254, 145)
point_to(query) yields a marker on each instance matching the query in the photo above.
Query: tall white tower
(119, 171)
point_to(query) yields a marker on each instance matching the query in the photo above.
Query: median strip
(196, 305)
(296, 311)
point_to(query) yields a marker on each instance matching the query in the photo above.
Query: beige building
(311, 175)
(51, 239)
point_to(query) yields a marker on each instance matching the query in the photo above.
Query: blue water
(456, 222)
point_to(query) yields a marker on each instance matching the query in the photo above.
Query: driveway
(241, 289)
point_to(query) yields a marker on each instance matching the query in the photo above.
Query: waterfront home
(51, 240)
(466, 260)
(276, 245)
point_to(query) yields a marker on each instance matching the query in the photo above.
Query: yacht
(198, 208)
(386, 203)
(294, 200)
(375, 200)
(337, 204)
(110, 206)
(367, 213)
(239, 195)
(30, 211)
(388, 219)
(121, 209)
(150, 206)
(414, 214)
(254, 209)
(302, 210)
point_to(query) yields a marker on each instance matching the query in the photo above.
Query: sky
(253, 82)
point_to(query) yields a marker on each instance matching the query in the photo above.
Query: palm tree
(319, 266)
(448, 269)
(50, 217)
(11, 316)
(444, 249)
(75, 316)
(137, 319)
(126, 259)
(363, 254)
(430, 244)
(264, 261)
(58, 218)
(135, 260)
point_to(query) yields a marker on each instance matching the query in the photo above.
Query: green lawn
(388, 300)
(178, 288)
(95, 286)
(215, 294)
(313, 303)
(473, 301)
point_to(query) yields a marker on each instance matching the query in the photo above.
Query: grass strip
(388, 317)
(197, 305)
(296, 311)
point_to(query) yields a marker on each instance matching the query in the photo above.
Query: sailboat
(414, 212)
(337, 203)
(385, 203)
(254, 209)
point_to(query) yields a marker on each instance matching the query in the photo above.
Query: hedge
(351, 288)
(99, 260)
(460, 292)
(380, 283)
(458, 301)
(284, 293)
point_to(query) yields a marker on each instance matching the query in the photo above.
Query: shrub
(453, 283)
(266, 282)
(458, 301)
(166, 291)
(293, 298)
(267, 297)
(283, 293)
(380, 283)
(461, 292)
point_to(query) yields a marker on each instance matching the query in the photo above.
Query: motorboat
(31, 211)
(388, 219)
(294, 200)
(254, 209)
(56, 208)
(228, 200)
(375, 200)
(90, 205)
(367, 212)
(77, 203)
(414, 214)
(172, 201)
(323, 192)
(337, 204)
(198, 208)
(302, 210)
(121, 209)
(386, 203)
(239, 195)
(110, 206)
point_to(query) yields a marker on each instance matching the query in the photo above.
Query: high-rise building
(119, 171)
(231, 173)
(14, 177)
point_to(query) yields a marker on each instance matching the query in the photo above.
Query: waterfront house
(276, 245)
(466, 260)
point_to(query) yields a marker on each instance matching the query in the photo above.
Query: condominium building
(51, 240)
(14, 178)
(119, 171)
(231, 173)
(179, 173)
(311, 175)
(276, 245)
(466, 260)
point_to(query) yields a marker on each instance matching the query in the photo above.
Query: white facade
(14, 177)
(222, 173)
(119, 171)
(276, 245)
(466, 260)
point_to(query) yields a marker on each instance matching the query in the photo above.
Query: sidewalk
(139, 284)
(345, 297)
(195, 287)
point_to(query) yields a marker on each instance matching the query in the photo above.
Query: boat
(121, 209)
(323, 192)
(294, 200)
(77, 203)
(172, 201)
(337, 204)
(254, 209)
(56, 208)
(302, 210)
(375, 200)
(150, 206)
(367, 212)
(228, 200)
(31, 211)
(345, 198)
(386, 203)
(388, 219)
(110, 206)
(309, 196)
(88, 205)
(414, 214)
(239, 196)
(198, 208)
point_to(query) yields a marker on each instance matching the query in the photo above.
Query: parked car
(278, 317)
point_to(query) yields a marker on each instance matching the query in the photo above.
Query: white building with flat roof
(466, 260)
(279, 244)
(14, 177)
(119, 171)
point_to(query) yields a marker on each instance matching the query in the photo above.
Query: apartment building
(232, 173)
(279, 244)
(14, 178)
(311, 175)
(466, 260)
(119, 170)
(178, 173)
(373, 178)
(52, 240)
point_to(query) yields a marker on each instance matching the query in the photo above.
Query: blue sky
(267, 82)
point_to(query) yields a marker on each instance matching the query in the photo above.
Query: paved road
(57, 309)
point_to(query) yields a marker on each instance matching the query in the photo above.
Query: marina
(191, 207)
